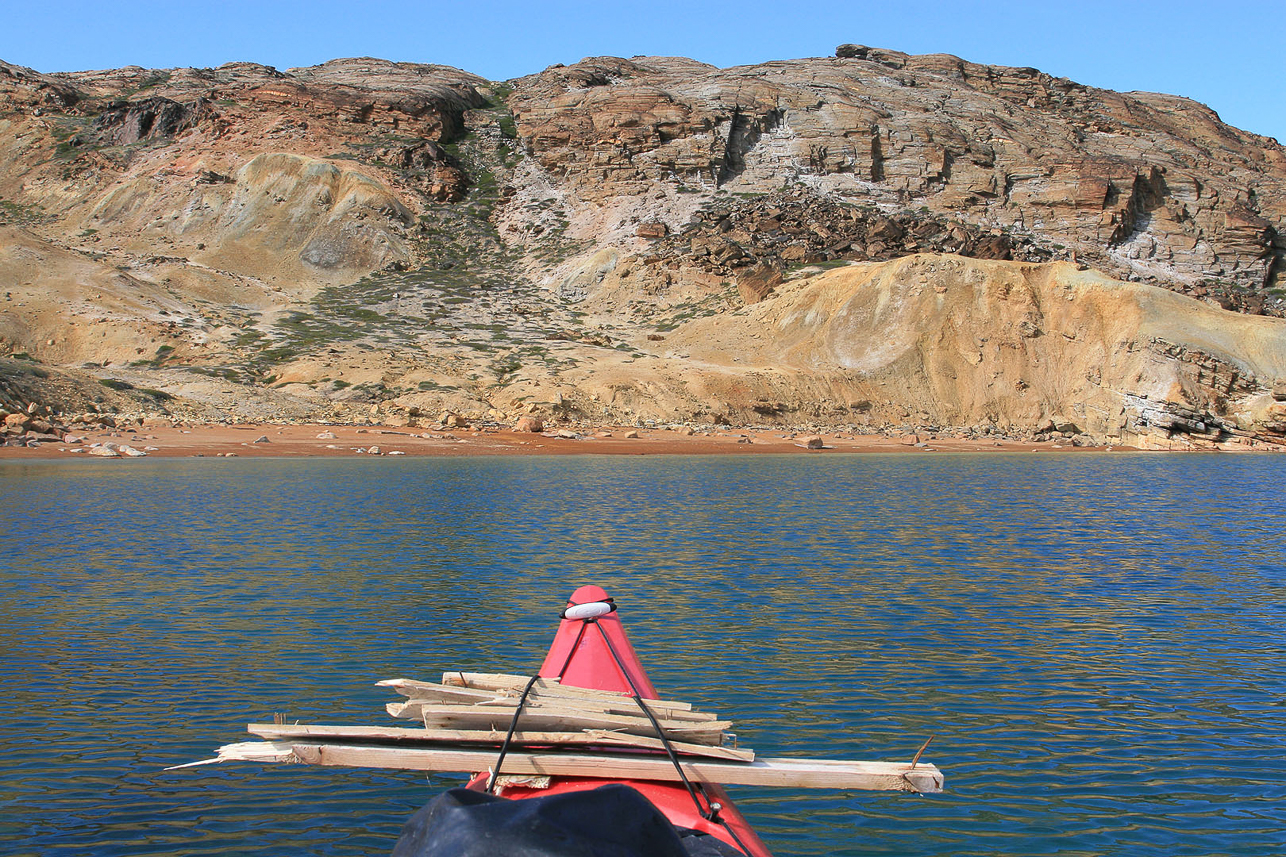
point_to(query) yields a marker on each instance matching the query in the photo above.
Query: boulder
(530, 424)
(813, 442)
(652, 230)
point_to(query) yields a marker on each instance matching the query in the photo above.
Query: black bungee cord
(522, 700)
(711, 813)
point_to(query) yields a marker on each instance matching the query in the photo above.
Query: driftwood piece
(546, 686)
(440, 715)
(793, 773)
(411, 736)
(544, 697)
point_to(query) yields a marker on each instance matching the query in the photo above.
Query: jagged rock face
(25, 88)
(754, 241)
(1147, 186)
(425, 100)
(134, 122)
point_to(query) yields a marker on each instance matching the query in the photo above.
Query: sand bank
(293, 441)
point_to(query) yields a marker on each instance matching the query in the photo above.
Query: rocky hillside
(874, 239)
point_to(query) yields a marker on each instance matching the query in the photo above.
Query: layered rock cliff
(1145, 186)
(872, 239)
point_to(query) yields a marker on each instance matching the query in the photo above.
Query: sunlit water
(1095, 641)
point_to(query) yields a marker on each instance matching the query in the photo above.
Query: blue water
(1095, 642)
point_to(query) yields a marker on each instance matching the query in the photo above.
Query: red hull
(581, 657)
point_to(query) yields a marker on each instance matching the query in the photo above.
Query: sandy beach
(292, 441)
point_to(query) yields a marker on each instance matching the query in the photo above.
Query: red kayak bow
(591, 650)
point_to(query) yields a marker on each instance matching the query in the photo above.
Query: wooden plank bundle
(483, 702)
(467, 716)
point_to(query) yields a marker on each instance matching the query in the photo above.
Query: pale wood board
(496, 717)
(792, 773)
(278, 732)
(608, 703)
(740, 754)
(501, 681)
(629, 707)
(429, 690)
(543, 686)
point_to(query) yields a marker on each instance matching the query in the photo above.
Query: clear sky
(1225, 54)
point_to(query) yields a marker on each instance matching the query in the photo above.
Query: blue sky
(1226, 55)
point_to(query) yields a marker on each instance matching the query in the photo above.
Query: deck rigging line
(710, 812)
(513, 724)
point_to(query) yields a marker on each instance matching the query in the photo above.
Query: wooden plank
(600, 719)
(612, 703)
(791, 773)
(496, 717)
(544, 687)
(278, 732)
(740, 754)
(497, 681)
(627, 707)
(429, 690)
(247, 751)
(701, 733)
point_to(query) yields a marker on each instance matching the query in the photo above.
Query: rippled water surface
(1095, 641)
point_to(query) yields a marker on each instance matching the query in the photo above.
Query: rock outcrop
(1145, 186)
(940, 340)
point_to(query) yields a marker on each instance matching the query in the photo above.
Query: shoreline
(267, 440)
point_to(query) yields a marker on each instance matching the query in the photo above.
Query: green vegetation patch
(17, 214)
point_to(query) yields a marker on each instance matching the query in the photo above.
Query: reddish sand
(294, 441)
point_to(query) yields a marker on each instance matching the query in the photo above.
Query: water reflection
(1098, 652)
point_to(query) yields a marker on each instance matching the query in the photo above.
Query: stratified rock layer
(1143, 185)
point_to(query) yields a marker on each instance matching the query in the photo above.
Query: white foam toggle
(592, 610)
